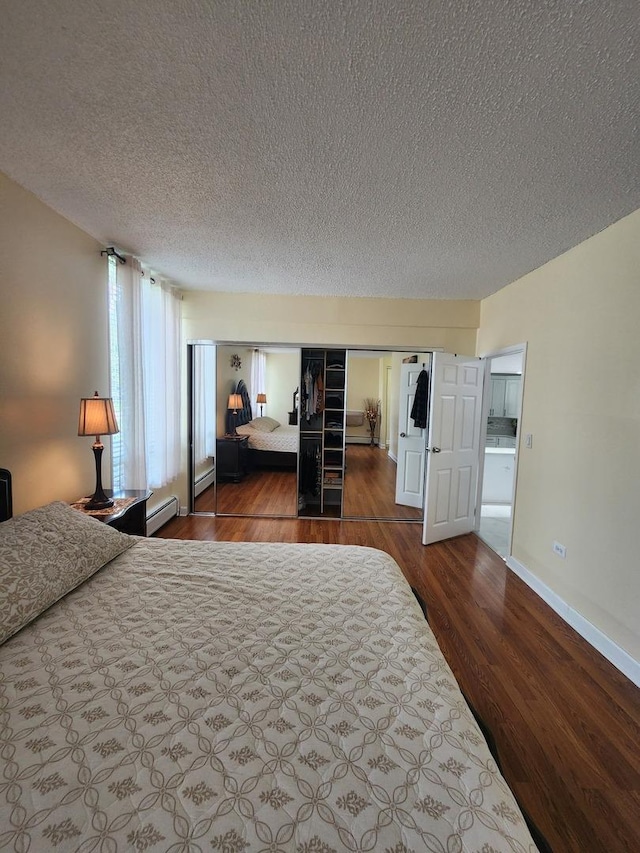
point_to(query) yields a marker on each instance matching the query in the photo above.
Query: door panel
(454, 446)
(411, 441)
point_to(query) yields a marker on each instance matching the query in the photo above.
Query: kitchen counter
(500, 450)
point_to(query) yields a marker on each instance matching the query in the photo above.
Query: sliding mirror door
(375, 406)
(256, 430)
(202, 392)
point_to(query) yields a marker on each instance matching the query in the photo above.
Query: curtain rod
(110, 251)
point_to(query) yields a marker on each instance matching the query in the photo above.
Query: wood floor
(369, 490)
(565, 721)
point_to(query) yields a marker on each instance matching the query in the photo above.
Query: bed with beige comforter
(201, 696)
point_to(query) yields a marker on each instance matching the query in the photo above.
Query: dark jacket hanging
(420, 401)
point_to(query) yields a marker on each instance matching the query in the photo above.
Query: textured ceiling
(396, 148)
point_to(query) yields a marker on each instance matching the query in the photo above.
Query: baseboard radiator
(161, 514)
(359, 439)
(203, 482)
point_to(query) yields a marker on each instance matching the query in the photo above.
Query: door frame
(486, 405)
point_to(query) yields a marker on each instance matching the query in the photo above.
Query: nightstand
(232, 457)
(129, 513)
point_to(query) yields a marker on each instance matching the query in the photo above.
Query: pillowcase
(44, 554)
(265, 424)
(244, 429)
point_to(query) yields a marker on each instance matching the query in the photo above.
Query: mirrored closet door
(371, 435)
(255, 433)
(245, 410)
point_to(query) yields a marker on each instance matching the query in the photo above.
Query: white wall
(579, 483)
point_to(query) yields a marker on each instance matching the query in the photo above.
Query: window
(144, 319)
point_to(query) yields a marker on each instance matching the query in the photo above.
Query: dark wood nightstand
(232, 457)
(129, 514)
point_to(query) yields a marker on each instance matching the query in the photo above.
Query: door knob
(403, 435)
(434, 449)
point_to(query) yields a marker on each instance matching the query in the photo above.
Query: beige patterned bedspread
(283, 439)
(243, 697)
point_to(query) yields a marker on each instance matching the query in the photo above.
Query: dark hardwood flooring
(369, 490)
(566, 723)
(370, 486)
(262, 492)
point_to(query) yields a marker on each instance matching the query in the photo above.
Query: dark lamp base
(99, 502)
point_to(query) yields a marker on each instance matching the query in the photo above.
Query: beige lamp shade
(235, 402)
(97, 416)
(261, 398)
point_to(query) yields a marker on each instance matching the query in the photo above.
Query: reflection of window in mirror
(203, 410)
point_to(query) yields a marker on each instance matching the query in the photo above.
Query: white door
(411, 443)
(453, 450)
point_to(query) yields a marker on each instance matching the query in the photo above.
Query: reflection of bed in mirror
(271, 444)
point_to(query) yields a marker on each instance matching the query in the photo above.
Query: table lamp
(235, 403)
(97, 418)
(261, 400)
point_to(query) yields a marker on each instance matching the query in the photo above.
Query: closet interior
(322, 433)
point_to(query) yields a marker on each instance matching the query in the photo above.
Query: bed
(271, 444)
(240, 697)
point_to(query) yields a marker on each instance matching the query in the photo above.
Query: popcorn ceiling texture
(399, 148)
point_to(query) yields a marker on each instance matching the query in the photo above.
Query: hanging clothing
(420, 401)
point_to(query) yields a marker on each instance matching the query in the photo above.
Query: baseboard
(594, 636)
(161, 514)
(203, 482)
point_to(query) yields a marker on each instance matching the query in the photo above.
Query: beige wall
(579, 484)
(363, 380)
(283, 377)
(227, 379)
(346, 321)
(53, 329)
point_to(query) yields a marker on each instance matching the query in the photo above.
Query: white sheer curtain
(145, 378)
(204, 394)
(161, 354)
(258, 378)
(127, 372)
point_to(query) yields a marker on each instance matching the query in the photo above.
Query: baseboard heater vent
(203, 482)
(161, 514)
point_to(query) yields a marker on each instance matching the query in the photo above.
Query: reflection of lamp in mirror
(261, 400)
(97, 417)
(235, 403)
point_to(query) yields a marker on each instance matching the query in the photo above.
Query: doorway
(502, 409)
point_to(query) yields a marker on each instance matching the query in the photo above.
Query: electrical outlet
(528, 440)
(559, 549)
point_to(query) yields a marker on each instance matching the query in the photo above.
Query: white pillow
(245, 429)
(265, 424)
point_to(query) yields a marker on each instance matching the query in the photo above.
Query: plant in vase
(372, 413)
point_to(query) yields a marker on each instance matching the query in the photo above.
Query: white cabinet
(512, 397)
(497, 482)
(498, 389)
(505, 396)
(501, 441)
